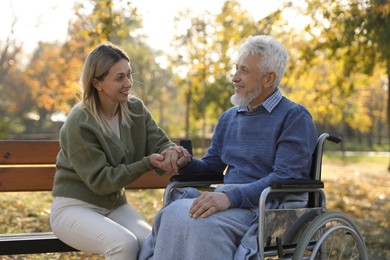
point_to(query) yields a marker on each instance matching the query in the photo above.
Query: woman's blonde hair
(97, 65)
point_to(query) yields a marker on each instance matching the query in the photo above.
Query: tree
(357, 28)
(98, 21)
(204, 62)
(9, 50)
(152, 83)
(53, 72)
(336, 102)
(14, 98)
(193, 56)
(233, 26)
(14, 104)
(47, 76)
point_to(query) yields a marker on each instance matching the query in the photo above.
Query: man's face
(248, 81)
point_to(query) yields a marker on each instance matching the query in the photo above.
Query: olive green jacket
(94, 167)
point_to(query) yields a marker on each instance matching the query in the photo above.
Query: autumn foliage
(339, 66)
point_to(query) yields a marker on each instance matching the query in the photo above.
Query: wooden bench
(29, 165)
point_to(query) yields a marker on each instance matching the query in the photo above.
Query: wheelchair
(303, 233)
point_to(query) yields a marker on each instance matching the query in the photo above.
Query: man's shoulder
(290, 105)
(229, 112)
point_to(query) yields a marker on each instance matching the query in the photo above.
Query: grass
(359, 187)
(355, 145)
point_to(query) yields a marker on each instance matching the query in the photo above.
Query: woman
(108, 141)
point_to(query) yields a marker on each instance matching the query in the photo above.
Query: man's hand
(209, 203)
(174, 157)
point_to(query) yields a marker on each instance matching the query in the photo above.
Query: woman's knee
(125, 245)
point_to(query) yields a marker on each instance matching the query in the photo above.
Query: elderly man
(265, 137)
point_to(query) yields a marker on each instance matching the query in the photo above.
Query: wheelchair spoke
(339, 244)
(335, 237)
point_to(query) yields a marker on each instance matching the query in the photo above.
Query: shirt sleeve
(210, 163)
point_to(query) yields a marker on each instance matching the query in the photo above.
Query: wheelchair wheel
(331, 235)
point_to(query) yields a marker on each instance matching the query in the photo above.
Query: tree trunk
(379, 133)
(188, 107)
(370, 137)
(388, 106)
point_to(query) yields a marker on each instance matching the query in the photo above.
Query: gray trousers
(177, 236)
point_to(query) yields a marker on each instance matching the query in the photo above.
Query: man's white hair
(273, 55)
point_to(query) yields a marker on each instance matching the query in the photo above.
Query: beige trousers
(117, 234)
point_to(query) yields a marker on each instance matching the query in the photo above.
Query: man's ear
(270, 78)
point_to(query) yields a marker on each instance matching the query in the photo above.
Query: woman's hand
(156, 160)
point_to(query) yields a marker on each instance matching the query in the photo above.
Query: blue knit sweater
(259, 147)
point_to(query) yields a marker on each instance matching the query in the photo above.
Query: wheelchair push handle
(334, 139)
(186, 143)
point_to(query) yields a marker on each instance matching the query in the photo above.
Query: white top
(113, 123)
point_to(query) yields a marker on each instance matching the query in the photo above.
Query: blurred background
(183, 55)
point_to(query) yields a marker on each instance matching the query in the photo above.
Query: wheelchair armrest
(198, 177)
(297, 184)
(191, 180)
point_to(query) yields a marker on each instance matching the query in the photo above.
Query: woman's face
(115, 87)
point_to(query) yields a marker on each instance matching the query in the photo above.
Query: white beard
(242, 100)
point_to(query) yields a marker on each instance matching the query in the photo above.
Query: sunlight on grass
(359, 187)
(24, 212)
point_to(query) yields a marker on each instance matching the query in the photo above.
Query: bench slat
(41, 179)
(29, 165)
(26, 179)
(33, 243)
(28, 152)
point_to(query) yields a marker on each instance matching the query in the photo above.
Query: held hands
(209, 203)
(171, 159)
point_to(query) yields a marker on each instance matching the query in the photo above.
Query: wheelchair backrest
(316, 164)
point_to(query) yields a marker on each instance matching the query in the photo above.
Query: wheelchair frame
(316, 225)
